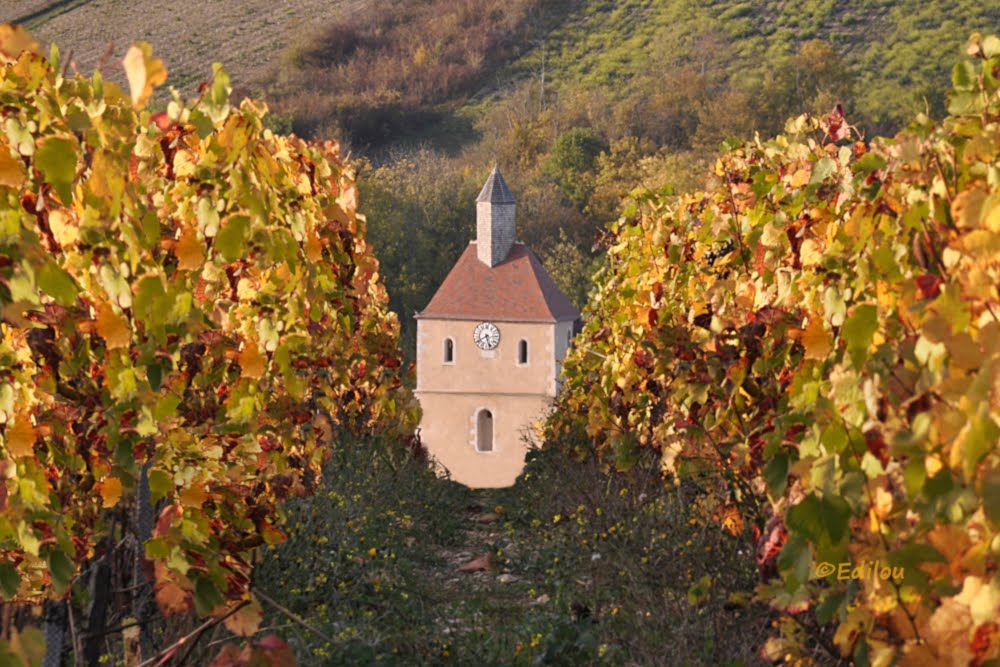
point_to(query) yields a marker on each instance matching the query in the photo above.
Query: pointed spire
(495, 190)
(495, 229)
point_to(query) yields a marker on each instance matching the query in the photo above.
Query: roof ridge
(517, 289)
(546, 285)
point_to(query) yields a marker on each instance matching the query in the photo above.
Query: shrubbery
(189, 305)
(815, 340)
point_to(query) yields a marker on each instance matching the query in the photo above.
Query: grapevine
(189, 305)
(815, 341)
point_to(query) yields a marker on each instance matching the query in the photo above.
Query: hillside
(898, 50)
(247, 36)
(383, 78)
(579, 101)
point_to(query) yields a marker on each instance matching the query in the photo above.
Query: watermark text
(870, 570)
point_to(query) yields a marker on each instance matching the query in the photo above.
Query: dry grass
(247, 36)
(378, 76)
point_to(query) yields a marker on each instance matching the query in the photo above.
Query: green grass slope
(899, 50)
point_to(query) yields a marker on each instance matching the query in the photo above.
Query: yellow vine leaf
(883, 502)
(190, 255)
(15, 40)
(252, 361)
(314, 249)
(816, 340)
(800, 178)
(21, 437)
(111, 491)
(982, 598)
(992, 221)
(967, 206)
(185, 163)
(965, 354)
(810, 253)
(106, 177)
(348, 199)
(144, 72)
(63, 227)
(11, 169)
(112, 328)
(246, 621)
(302, 184)
(194, 495)
(932, 464)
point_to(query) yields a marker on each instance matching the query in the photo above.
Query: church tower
(489, 348)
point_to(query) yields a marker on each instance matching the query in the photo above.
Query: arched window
(522, 352)
(484, 431)
(449, 351)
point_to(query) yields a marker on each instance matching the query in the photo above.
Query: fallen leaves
(486, 561)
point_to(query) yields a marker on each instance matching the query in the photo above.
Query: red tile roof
(517, 289)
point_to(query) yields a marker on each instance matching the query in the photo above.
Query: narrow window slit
(484, 431)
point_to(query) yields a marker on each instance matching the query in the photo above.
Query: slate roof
(517, 289)
(495, 190)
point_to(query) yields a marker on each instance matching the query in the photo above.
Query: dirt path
(483, 571)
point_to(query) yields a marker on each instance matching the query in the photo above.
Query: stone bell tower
(490, 345)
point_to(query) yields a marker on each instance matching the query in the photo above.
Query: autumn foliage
(815, 340)
(189, 307)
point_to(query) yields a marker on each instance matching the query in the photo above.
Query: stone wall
(495, 231)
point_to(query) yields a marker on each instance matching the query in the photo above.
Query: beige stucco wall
(448, 429)
(561, 335)
(518, 396)
(494, 371)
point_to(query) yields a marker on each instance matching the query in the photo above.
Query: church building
(489, 348)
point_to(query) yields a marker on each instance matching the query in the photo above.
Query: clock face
(487, 336)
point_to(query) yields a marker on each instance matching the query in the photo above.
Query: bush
(814, 338)
(572, 160)
(189, 304)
